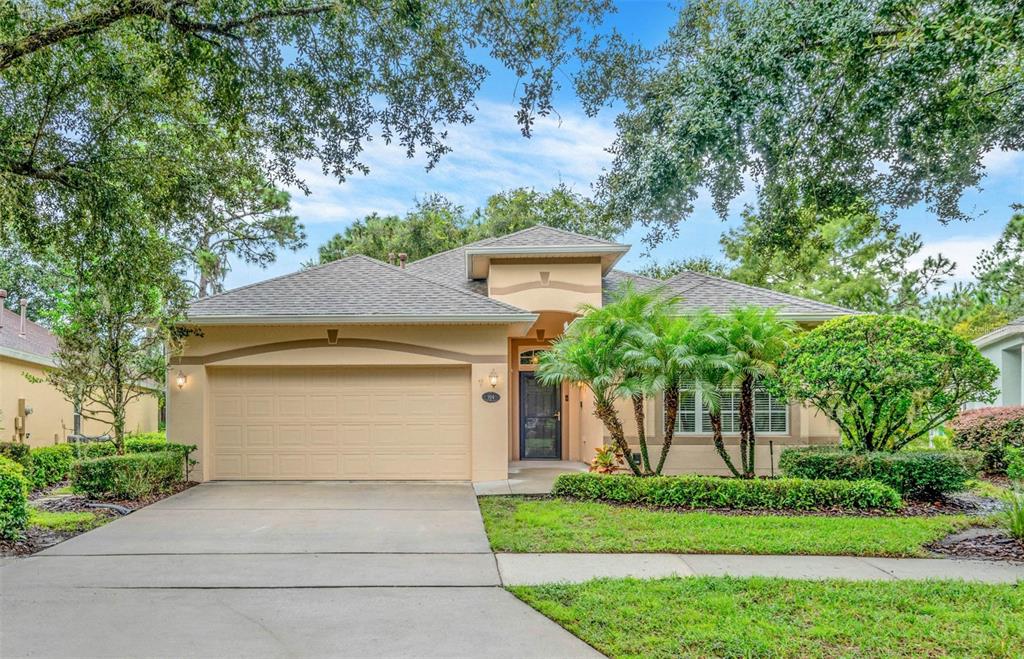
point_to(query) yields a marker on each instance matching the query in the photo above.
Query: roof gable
(354, 289)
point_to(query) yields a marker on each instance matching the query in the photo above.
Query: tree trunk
(641, 434)
(747, 426)
(716, 433)
(606, 412)
(671, 398)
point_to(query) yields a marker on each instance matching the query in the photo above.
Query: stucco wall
(1008, 356)
(484, 347)
(545, 285)
(52, 417)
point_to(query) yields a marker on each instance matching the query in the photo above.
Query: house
(1004, 347)
(27, 347)
(358, 369)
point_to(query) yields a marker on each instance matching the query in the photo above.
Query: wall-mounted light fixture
(181, 379)
(493, 379)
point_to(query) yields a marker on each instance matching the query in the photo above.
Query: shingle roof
(704, 291)
(37, 341)
(353, 288)
(449, 268)
(544, 236)
(616, 278)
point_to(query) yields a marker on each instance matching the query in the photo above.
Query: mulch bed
(37, 539)
(980, 543)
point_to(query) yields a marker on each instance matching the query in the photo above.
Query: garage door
(333, 423)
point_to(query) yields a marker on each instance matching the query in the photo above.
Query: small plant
(13, 499)
(607, 460)
(1013, 514)
(1015, 464)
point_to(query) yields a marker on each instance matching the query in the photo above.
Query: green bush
(158, 436)
(17, 452)
(51, 464)
(13, 499)
(715, 492)
(923, 475)
(1015, 463)
(85, 450)
(128, 476)
(990, 430)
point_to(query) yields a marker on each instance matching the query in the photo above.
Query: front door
(540, 419)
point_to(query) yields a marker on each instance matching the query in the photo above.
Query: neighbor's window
(771, 415)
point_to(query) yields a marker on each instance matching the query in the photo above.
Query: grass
(68, 522)
(983, 488)
(63, 490)
(757, 617)
(558, 525)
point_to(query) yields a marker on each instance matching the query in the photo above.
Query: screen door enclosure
(540, 419)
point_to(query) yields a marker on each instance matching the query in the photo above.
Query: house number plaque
(491, 396)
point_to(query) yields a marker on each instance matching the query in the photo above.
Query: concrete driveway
(278, 569)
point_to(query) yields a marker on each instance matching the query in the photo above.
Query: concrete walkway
(529, 477)
(532, 569)
(278, 570)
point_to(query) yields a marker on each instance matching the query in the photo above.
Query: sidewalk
(533, 569)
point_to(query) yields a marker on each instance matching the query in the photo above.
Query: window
(771, 415)
(529, 357)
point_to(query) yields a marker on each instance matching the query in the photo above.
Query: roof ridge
(453, 249)
(452, 288)
(284, 276)
(559, 230)
(638, 275)
(737, 284)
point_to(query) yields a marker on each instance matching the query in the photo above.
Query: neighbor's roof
(38, 344)
(700, 291)
(617, 278)
(355, 289)
(1009, 329)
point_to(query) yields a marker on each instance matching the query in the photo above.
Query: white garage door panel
(340, 423)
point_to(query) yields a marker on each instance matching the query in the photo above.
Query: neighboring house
(362, 370)
(28, 347)
(1005, 348)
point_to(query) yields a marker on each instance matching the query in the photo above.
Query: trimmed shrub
(924, 475)
(13, 499)
(17, 452)
(51, 464)
(158, 436)
(692, 491)
(85, 450)
(990, 430)
(128, 476)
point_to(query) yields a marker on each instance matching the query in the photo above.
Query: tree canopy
(821, 103)
(118, 103)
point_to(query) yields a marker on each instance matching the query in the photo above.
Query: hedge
(990, 430)
(715, 492)
(51, 464)
(13, 499)
(129, 476)
(17, 452)
(925, 475)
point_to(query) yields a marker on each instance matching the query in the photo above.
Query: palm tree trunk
(606, 412)
(671, 398)
(641, 434)
(747, 426)
(716, 433)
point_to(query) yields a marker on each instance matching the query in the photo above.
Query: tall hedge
(924, 475)
(990, 430)
(13, 499)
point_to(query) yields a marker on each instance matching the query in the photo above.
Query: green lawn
(557, 525)
(757, 617)
(70, 521)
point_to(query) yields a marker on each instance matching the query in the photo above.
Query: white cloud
(999, 163)
(962, 250)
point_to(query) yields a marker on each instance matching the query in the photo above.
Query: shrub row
(924, 475)
(129, 476)
(990, 430)
(44, 465)
(13, 499)
(714, 492)
(17, 452)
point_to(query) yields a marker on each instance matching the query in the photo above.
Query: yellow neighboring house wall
(52, 417)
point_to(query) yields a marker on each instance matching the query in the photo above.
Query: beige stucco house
(27, 348)
(362, 370)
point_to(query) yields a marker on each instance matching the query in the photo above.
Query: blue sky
(491, 155)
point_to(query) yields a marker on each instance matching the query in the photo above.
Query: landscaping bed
(756, 617)
(544, 524)
(980, 543)
(56, 515)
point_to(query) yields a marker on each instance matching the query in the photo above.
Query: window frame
(700, 412)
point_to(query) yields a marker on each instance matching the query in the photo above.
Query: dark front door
(540, 419)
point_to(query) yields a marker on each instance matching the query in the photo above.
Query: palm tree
(594, 359)
(757, 339)
(630, 316)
